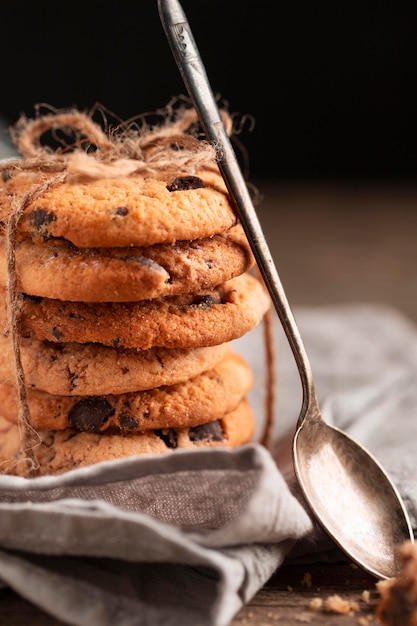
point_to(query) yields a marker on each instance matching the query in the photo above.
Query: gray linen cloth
(184, 539)
(188, 538)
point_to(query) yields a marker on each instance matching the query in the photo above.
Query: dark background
(331, 86)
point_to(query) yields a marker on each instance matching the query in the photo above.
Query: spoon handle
(190, 65)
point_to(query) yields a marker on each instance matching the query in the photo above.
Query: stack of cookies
(128, 293)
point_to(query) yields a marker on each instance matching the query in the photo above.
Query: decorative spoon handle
(194, 75)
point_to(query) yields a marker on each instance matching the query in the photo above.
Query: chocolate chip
(90, 414)
(127, 422)
(57, 333)
(39, 218)
(205, 302)
(183, 183)
(142, 260)
(212, 431)
(121, 210)
(125, 419)
(168, 436)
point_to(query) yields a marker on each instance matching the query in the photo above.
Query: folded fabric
(181, 539)
(188, 538)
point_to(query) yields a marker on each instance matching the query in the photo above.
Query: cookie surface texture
(62, 451)
(62, 271)
(93, 369)
(188, 321)
(203, 398)
(124, 211)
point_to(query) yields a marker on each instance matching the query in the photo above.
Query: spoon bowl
(346, 489)
(351, 496)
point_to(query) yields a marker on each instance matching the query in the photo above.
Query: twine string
(28, 436)
(127, 150)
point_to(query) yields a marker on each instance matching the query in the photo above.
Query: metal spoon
(345, 487)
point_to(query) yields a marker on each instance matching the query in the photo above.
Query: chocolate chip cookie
(93, 369)
(62, 271)
(60, 451)
(200, 399)
(124, 211)
(187, 321)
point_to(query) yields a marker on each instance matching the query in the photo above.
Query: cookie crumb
(365, 595)
(336, 604)
(273, 616)
(398, 595)
(316, 604)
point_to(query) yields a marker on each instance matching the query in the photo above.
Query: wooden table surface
(288, 596)
(332, 244)
(284, 601)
